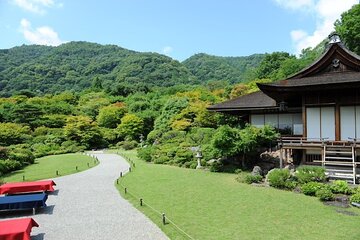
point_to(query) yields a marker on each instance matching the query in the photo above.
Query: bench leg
(33, 211)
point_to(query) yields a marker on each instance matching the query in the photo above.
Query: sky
(177, 28)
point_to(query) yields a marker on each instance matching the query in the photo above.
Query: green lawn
(46, 167)
(215, 206)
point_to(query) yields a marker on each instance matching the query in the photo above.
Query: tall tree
(349, 28)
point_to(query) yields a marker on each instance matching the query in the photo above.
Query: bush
(161, 159)
(355, 197)
(342, 187)
(7, 166)
(281, 178)
(249, 178)
(127, 145)
(22, 155)
(324, 194)
(311, 188)
(183, 155)
(145, 153)
(307, 174)
(216, 166)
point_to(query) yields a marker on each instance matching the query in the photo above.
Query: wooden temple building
(317, 112)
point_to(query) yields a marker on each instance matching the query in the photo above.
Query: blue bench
(20, 202)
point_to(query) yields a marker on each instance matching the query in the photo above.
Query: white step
(343, 158)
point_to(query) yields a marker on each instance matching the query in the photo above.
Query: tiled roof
(246, 102)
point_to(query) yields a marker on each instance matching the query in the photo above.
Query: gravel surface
(87, 205)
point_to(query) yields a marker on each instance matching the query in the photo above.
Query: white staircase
(340, 162)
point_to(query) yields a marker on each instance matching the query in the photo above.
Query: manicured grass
(46, 167)
(215, 206)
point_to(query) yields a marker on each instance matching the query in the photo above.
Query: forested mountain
(80, 65)
(231, 69)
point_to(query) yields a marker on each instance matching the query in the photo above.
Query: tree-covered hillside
(76, 66)
(79, 65)
(231, 69)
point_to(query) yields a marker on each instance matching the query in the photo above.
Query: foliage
(216, 166)
(226, 141)
(230, 69)
(349, 28)
(131, 126)
(310, 188)
(145, 153)
(127, 145)
(110, 116)
(305, 174)
(13, 133)
(324, 194)
(249, 178)
(341, 186)
(355, 198)
(280, 178)
(82, 130)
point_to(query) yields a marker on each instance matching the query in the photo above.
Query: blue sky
(178, 29)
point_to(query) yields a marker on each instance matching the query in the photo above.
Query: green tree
(83, 130)
(131, 126)
(13, 133)
(349, 28)
(110, 116)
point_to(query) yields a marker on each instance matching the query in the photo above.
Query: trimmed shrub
(342, 187)
(145, 153)
(355, 198)
(127, 145)
(281, 178)
(161, 159)
(7, 166)
(249, 178)
(311, 188)
(183, 155)
(324, 194)
(216, 166)
(305, 174)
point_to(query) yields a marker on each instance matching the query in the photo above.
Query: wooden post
(141, 202)
(125, 190)
(129, 169)
(281, 158)
(76, 168)
(117, 181)
(286, 156)
(57, 172)
(163, 218)
(120, 174)
(88, 164)
(23, 178)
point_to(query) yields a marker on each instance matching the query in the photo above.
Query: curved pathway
(88, 206)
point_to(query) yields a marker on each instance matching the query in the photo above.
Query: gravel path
(88, 206)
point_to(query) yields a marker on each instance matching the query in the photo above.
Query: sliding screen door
(313, 123)
(347, 122)
(320, 122)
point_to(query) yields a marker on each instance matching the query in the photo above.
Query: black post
(120, 174)
(141, 202)
(163, 218)
(129, 169)
(125, 190)
(23, 178)
(76, 168)
(133, 164)
(57, 172)
(117, 181)
(88, 164)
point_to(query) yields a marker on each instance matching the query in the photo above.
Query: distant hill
(232, 69)
(80, 65)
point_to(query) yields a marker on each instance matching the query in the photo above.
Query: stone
(257, 171)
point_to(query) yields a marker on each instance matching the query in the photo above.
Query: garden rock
(257, 171)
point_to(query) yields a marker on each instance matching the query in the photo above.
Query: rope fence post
(121, 174)
(129, 169)
(76, 168)
(141, 202)
(23, 178)
(125, 190)
(163, 218)
(57, 172)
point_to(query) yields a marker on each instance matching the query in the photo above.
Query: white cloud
(36, 6)
(167, 50)
(41, 35)
(326, 13)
